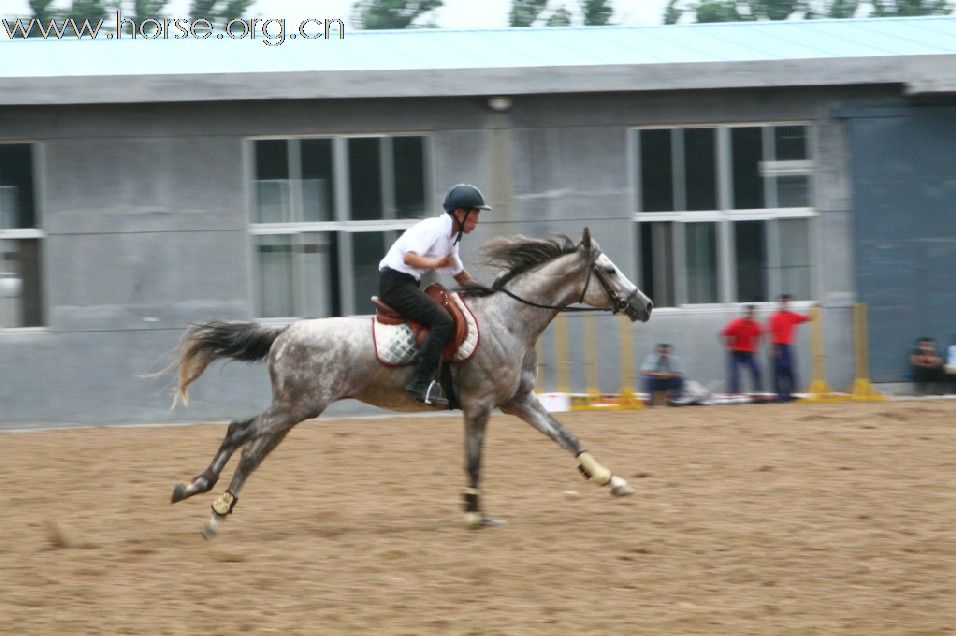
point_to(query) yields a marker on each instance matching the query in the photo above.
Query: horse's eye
(610, 270)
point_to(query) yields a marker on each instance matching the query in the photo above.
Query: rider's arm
(464, 278)
(412, 259)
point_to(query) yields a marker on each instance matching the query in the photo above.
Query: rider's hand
(445, 261)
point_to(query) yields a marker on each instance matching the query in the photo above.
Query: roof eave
(918, 74)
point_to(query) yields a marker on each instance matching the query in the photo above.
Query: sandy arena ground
(796, 519)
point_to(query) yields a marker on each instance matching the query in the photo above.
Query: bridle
(618, 303)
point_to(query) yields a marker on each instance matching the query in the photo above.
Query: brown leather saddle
(385, 315)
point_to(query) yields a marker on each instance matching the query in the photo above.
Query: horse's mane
(516, 255)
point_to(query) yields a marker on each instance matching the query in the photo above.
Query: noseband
(617, 303)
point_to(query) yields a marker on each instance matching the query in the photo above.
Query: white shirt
(431, 238)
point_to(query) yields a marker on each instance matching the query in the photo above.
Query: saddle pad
(395, 344)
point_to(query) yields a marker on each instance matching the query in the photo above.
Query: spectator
(927, 366)
(783, 364)
(741, 336)
(663, 375)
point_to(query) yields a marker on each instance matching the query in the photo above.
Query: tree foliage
(596, 12)
(749, 10)
(718, 11)
(559, 17)
(219, 11)
(80, 10)
(892, 8)
(524, 12)
(142, 9)
(391, 14)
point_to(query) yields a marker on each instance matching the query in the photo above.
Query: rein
(618, 303)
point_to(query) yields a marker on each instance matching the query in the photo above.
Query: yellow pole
(561, 353)
(862, 390)
(590, 357)
(819, 390)
(628, 397)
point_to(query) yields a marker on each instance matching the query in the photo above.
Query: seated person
(927, 366)
(663, 375)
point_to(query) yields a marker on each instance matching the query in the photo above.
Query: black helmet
(464, 196)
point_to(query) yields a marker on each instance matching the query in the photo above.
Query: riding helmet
(464, 196)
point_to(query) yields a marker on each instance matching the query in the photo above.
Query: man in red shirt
(783, 325)
(741, 337)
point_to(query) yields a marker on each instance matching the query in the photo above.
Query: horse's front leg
(476, 420)
(527, 407)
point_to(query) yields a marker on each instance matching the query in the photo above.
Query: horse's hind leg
(271, 429)
(527, 407)
(238, 433)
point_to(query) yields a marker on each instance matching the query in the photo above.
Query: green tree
(218, 11)
(41, 11)
(719, 11)
(745, 10)
(892, 8)
(560, 17)
(776, 9)
(390, 14)
(672, 13)
(524, 12)
(80, 10)
(840, 9)
(202, 9)
(141, 10)
(596, 12)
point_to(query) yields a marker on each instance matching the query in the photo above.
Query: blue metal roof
(427, 49)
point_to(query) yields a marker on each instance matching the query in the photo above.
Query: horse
(315, 362)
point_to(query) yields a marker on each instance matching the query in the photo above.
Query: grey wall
(145, 209)
(904, 179)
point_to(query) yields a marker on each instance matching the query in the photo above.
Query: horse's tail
(206, 342)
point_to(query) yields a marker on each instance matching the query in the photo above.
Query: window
(723, 213)
(21, 297)
(325, 211)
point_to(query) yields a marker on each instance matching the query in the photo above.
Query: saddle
(386, 315)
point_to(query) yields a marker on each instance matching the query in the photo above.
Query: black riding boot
(426, 389)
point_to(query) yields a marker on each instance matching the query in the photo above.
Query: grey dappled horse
(315, 362)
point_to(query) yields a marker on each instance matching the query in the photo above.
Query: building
(148, 184)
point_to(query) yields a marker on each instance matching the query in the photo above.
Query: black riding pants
(402, 292)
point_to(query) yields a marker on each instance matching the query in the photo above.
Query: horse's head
(606, 287)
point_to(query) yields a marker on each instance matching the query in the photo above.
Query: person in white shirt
(430, 244)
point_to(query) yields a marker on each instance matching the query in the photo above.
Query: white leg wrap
(594, 471)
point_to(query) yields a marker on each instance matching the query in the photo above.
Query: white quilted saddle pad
(395, 344)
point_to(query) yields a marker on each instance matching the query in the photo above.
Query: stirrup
(432, 395)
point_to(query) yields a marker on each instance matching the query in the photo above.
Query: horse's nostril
(650, 305)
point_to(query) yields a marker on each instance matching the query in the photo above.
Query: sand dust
(794, 519)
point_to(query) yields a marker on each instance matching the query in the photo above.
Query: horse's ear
(586, 239)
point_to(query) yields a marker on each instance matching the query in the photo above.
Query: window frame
(37, 232)
(341, 207)
(725, 215)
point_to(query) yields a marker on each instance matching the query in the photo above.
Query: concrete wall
(146, 206)
(903, 176)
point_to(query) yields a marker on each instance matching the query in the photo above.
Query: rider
(430, 244)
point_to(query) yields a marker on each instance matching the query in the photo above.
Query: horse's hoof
(620, 488)
(208, 531)
(481, 520)
(179, 493)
